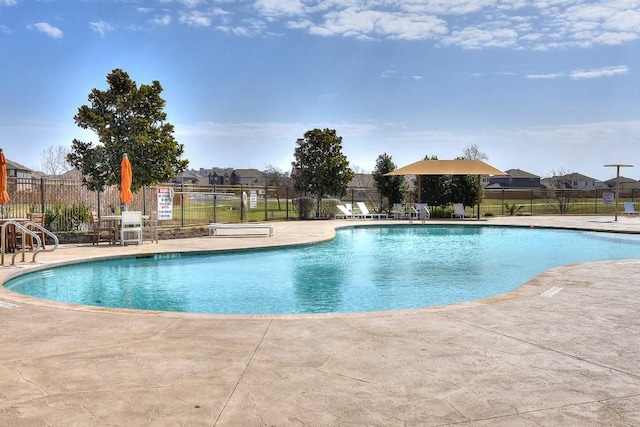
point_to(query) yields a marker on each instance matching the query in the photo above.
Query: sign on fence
(607, 198)
(253, 199)
(165, 203)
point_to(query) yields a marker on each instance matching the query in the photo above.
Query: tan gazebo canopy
(449, 167)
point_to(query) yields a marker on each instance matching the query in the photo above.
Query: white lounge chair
(629, 208)
(398, 211)
(458, 211)
(131, 225)
(422, 211)
(346, 213)
(366, 214)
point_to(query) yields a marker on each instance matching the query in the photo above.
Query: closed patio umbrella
(126, 179)
(449, 167)
(4, 195)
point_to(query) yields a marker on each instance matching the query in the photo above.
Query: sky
(544, 86)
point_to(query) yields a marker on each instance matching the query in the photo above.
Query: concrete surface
(562, 350)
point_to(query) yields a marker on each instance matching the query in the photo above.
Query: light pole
(617, 166)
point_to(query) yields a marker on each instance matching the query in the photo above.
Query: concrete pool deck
(563, 349)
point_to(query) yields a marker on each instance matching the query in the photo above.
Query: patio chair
(131, 224)
(458, 211)
(151, 226)
(98, 229)
(366, 214)
(36, 218)
(629, 209)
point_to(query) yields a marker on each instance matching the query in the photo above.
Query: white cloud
(7, 2)
(279, 7)
(195, 19)
(101, 27)
(357, 22)
(187, 3)
(600, 72)
(538, 25)
(49, 30)
(162, 20)
(544, 76)
(477, 38)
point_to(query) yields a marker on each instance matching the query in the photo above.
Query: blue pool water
(362, 269)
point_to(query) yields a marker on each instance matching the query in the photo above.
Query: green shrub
(305, 206)
(328, 208)
(63, 218)
(513, 209)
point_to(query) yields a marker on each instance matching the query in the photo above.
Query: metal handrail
(27, 229)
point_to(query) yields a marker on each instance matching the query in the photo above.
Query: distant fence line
(67, 203)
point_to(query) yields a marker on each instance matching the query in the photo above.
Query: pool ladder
(28, 228)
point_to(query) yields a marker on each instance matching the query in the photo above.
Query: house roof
(17, 166)
(623, 180)
(517, 173)
(575, 176)
(247, 172)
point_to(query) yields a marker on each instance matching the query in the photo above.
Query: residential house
(515, 178)
(252, 177)
(190, 177)
(16, 170)
(575, 181)
(625, 183)
(22, 177)
(219, 176)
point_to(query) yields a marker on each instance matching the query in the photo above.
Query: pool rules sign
(165, 203)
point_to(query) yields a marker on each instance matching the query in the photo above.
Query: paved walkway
(564, 349)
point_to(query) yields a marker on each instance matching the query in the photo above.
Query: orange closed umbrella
(126, 178)
(4, 195)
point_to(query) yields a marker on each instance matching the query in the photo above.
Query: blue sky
(542, 85)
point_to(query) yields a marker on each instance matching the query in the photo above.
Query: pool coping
(329, 233)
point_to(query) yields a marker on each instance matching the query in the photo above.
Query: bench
(214, 227)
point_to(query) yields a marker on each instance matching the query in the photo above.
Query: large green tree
(127, 119)
(321, 167)
(391, 187)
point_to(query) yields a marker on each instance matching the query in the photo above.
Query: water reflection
(319, 282)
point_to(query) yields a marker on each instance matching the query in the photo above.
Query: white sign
(165, 203)
(607, 198)
(253, 199)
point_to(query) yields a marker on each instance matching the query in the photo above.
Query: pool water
(362, 269)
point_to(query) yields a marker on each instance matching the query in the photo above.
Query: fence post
(215, 202)
(241, 203)
(144, 199)
(42, 198)
(502, 208)
(266, 201)
(182, 202)
(595, 204)
(531, 200)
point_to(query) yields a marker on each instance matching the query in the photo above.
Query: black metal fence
(67, 204)
(554, 202)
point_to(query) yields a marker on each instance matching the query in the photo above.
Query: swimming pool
(363, 269)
